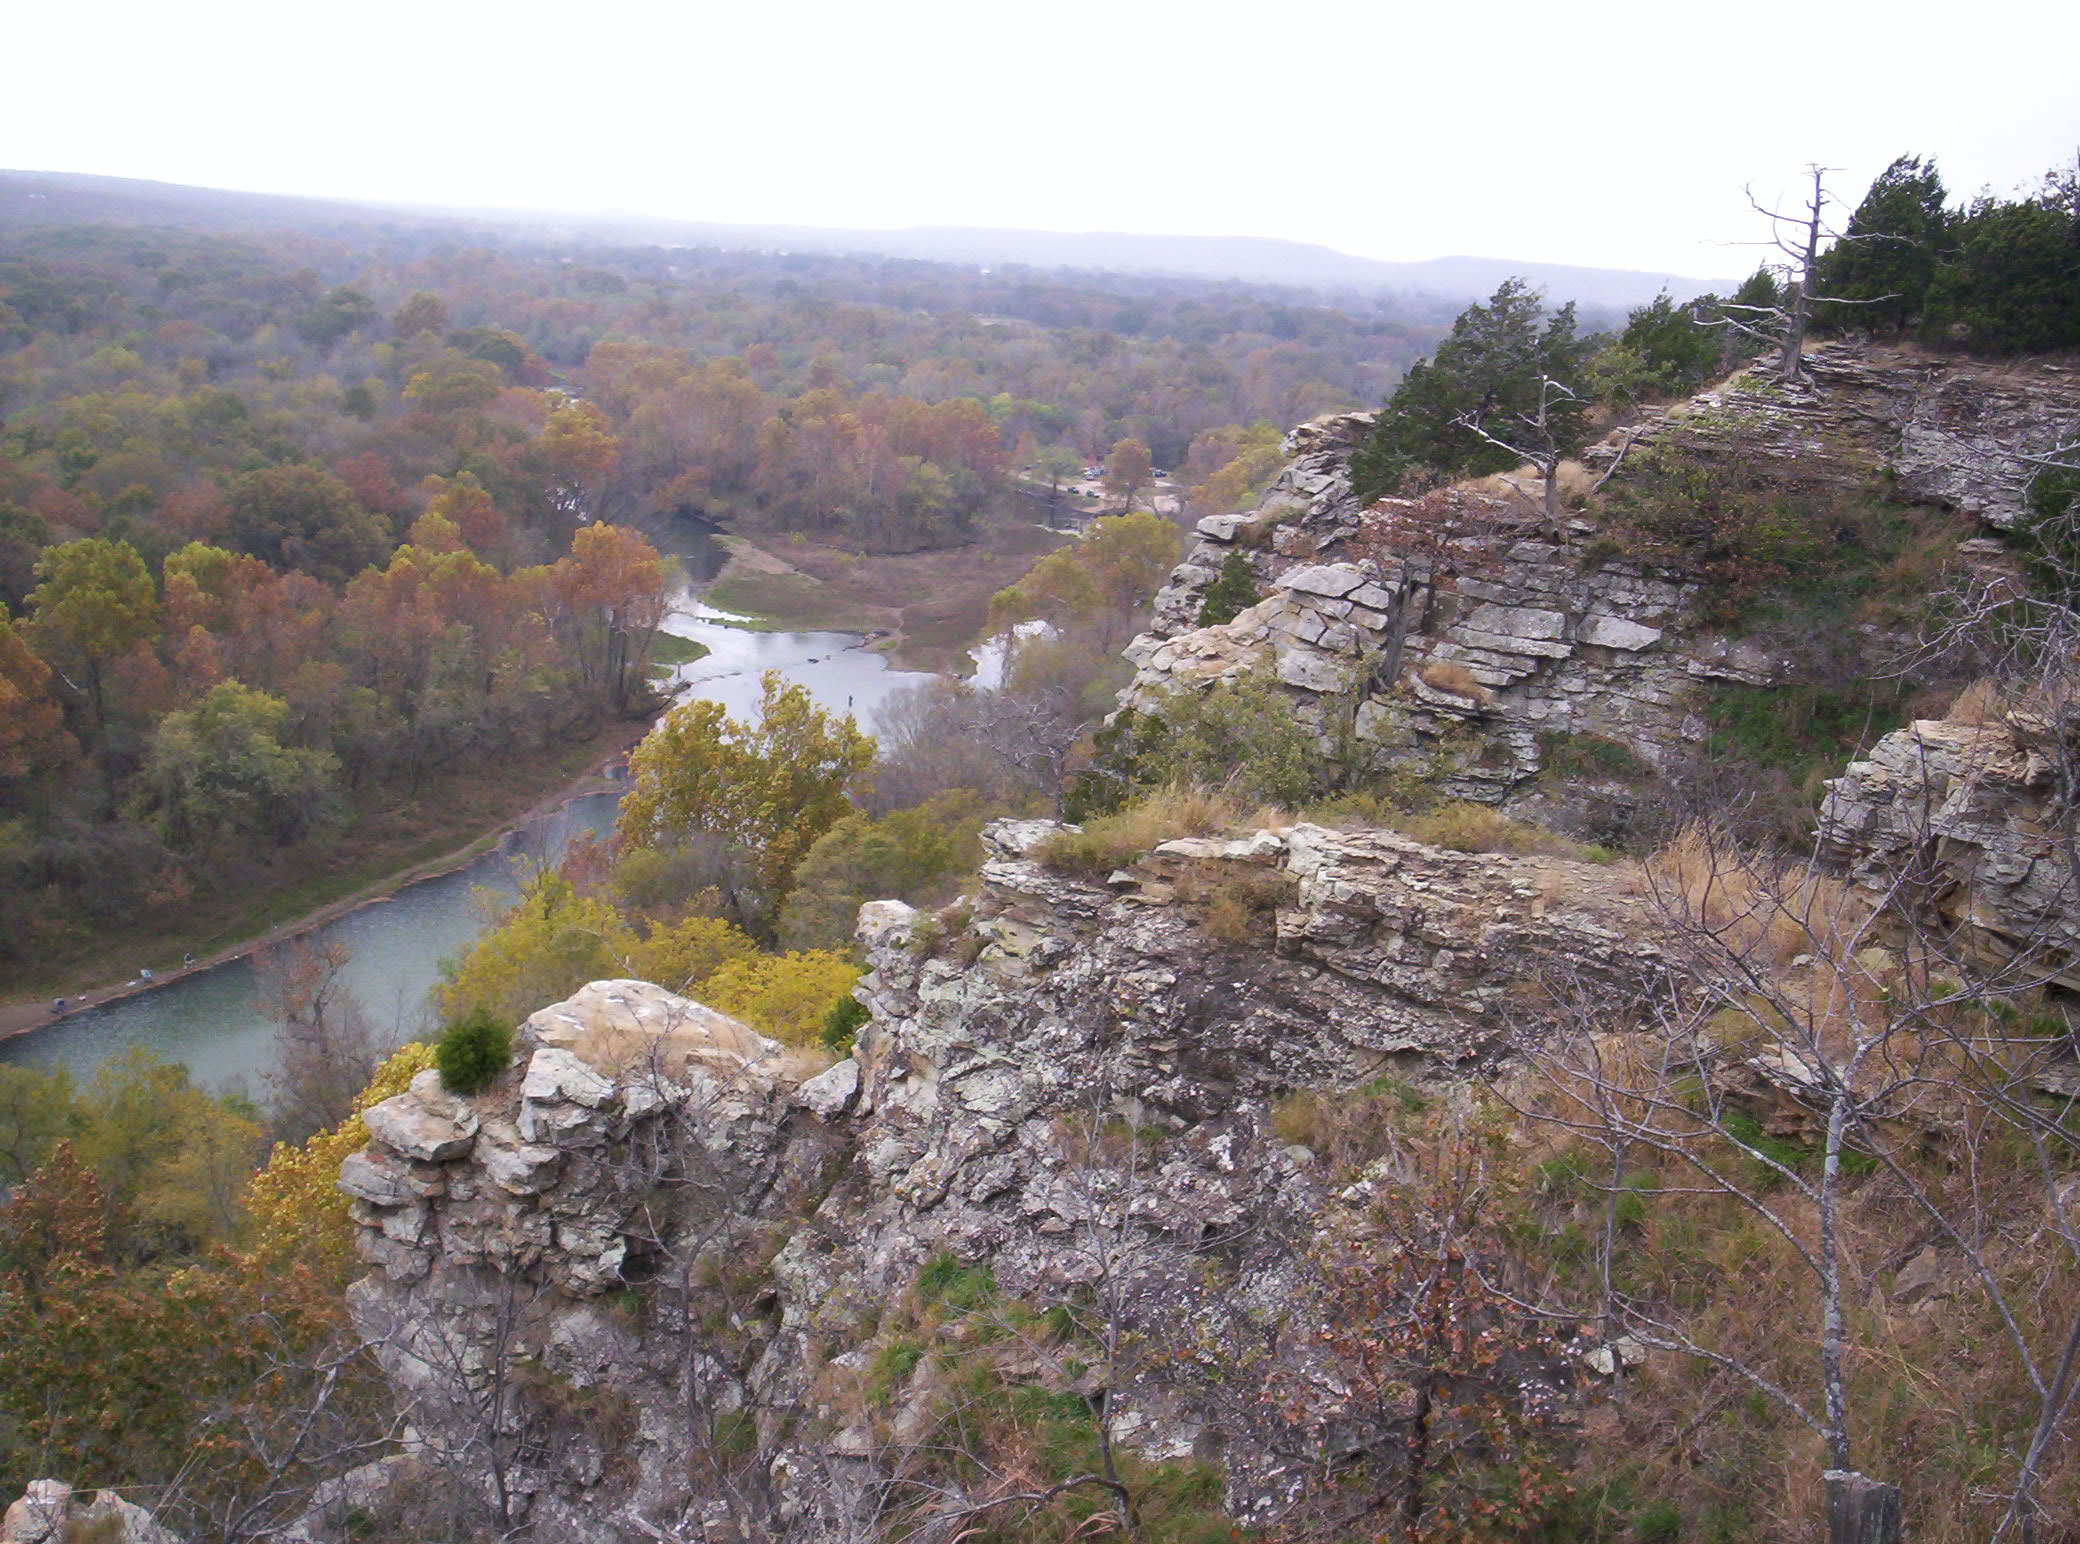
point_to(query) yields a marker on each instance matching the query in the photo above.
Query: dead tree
(1885, 1036)
(1536, 437)
(1798, 239)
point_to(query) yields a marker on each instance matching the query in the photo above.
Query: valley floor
(930, 608)
(446, 827)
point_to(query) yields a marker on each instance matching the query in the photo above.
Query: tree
(325, 1048)
(1505, 362)
(2012, 279)
(1055, 465)
(37, 1110)
(772, 786)
(342, 311)
(1887, 257)
(453, 385)
(1820, 1057)
(1782, 321)
(218, 773)
(1095, 587)
(94, 604)
(1662, 352)
(551, 942)
(300, 517)
(1127, 466)
(787, 996)
(908, 855)
(422, 312)
(1233, 591)
(613, 593)
(32, 722)
(579, 448)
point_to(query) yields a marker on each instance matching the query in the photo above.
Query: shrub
(1588, 757)
(1112, 841)
(1240, 736)
(472, 1051)
(1232, 592)
(841, 1024)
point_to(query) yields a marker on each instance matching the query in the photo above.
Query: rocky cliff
(669, 1280)
(1972, 822)
(652, 1280)
(1464, 634)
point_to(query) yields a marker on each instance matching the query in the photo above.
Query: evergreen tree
(2012, 281)
(1488, 370)
(1233, 591)
(1887, 258)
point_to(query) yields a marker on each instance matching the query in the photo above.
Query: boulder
(423, 1122)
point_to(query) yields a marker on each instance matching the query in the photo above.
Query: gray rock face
(1979, 804)
(425, 1123)
(1072, 1063)
(1562, 635)
(646, 1132)
(51, 1512)
(1945, 429)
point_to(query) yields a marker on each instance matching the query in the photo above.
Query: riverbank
(925, 610)
(447, 828)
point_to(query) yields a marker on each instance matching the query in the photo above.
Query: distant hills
(68, 197)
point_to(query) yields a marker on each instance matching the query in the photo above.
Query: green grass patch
(893, 1364)
(1795, 728)
(1583, 758)
(669, 651)
(962, 1288)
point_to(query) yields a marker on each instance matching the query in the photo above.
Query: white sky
(1617, 135)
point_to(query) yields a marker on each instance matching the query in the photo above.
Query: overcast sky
(1618, 135)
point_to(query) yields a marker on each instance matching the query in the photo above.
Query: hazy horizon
(1394, 137)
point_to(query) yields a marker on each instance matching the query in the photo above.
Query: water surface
(211, 1020)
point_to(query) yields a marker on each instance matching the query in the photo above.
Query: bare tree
(325, 1048)
(1542, 437)
(1798, 240)
(1866, 1020)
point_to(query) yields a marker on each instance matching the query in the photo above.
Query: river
(211, 1020)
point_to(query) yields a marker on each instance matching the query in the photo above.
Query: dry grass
(1772, 914)
(1114, 841)
(1235, 903)
(1938, 1404)
(1448, 675)
(1458, 826)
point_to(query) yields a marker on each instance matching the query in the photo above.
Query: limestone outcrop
(51, 1512)
(1941, 429)
(664, 1240)
(1465, 635)
(1972, 817)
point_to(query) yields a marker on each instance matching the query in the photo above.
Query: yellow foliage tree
(786, 996)
(686, 954)
(771, 787)
(550, 944)
(1094, 587)
(297, 1210)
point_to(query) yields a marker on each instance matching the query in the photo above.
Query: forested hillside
(1544, 1011)
(287, 516)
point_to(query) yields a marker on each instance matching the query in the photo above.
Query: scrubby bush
(1233, 591)
(842, 1024)
(472, 1051)
(1239, 736)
